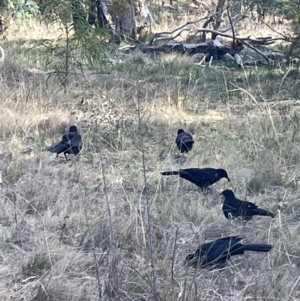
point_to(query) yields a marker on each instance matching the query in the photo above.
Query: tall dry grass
(78, 230)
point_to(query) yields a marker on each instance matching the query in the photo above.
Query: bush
(20, 9)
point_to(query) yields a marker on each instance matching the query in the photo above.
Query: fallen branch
(240, 39)
(216, 32)
(170, 38)
(261, 40)
(236, 18)
(257, 51)
(285, 38)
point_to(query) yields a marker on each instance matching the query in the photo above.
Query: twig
(149, 215)
(216, 32)
(174, 281)
(113, 246)
(200, 63)
(257, 51)
(235, 19)
(2, 55)
(173, 256)
(100, 295)
(172, 38)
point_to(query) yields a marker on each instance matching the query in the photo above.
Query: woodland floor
(55, 226)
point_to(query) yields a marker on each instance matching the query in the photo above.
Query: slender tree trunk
(123, 17)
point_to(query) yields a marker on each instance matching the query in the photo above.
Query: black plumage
(216, 253)
(184, 141)
(235, 207)
(71, 143)
(202, 177)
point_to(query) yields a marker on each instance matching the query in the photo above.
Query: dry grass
(54, 216)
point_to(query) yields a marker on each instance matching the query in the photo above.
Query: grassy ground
(79, 229)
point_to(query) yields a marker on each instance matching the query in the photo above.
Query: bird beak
(221, 193)
(228, 179)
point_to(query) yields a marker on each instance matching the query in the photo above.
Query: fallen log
(211, 49)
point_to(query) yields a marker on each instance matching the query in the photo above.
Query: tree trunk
(98, 14)
(122, 16)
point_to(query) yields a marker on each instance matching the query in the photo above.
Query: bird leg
(206, 191)
(66, 156)
(230, 217)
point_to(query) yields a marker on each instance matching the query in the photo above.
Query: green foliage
(21, 9)
(265, 7)
(288, 9)
(83, 46)
(37, 266)
(291, 12)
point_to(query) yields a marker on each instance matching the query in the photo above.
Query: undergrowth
(56, 230)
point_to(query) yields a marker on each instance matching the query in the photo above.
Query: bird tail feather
(263, 212)
(56, 148)
(169, 173)
(257, 247)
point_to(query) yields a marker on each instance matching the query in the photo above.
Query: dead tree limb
(285, 38)
(219, 12)
(235, 44)
(261, 41)
(240, 39)
(170, 38)
(216, 32)
(179, 28)
(211, 19)
(257, 51)
(235, 19)
(232, 27)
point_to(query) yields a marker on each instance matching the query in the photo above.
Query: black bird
(184, 141)
(202, 177)
(235, 207)
(216, 253)
(71, 143)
